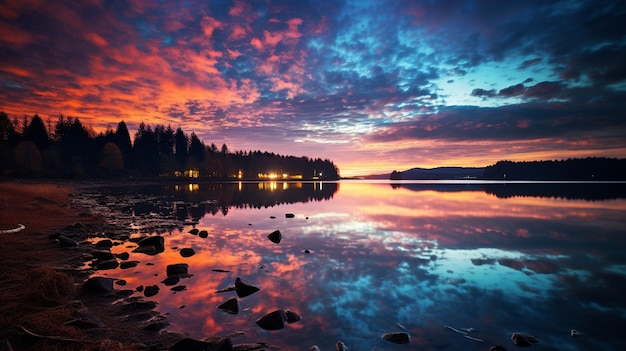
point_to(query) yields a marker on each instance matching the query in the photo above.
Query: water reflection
(390, 259)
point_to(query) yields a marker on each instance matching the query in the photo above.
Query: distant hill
(439, 173)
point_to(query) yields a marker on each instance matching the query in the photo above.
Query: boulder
(177, 269)
(214, 343)
(128, 264)
(230, 306)
(187, 252)
(103, 255)
(275, 236)
(171, 280)
(244, 288)
(273, 320)
(106, 265)
(523, 340)
(104, 244)
(397, 337)
(67, 242)
(291, 316)
(151, 245)
(98, 285)
(151, 290)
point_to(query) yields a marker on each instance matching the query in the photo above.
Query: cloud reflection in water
(383, 257)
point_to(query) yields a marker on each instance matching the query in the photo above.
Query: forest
(67, 148)
(574, 169)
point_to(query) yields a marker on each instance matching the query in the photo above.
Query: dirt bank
(39, 284)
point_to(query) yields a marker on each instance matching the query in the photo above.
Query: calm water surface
(500, 258)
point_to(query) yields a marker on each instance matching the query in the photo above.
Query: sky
(372, 85)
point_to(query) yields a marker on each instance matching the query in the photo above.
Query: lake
(363, 258)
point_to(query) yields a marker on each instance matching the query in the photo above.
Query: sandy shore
(39, 284)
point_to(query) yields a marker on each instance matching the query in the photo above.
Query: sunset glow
(374, 86)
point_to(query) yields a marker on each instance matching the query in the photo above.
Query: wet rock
(120, 282)
(194, 231)
(104, 244)
(103, 255)
(67, 242)
(291, 316)
(177, 269)
(273, 320)
(98, 285)
(187, 252)
(106, 265)
(212, 344)
(151, 245)
(397, 337)
(171, 280)
(497, 348)
(139, 288)
(84, 319)
(289, 215)
(203, 234)
(123, 256)
(275, 236)
(151, 290)
(340, 346)
(523, 340)
(156, 324)
(230, 306)
(128, 264)
(244, 288)
(135, 305)
(179, 288)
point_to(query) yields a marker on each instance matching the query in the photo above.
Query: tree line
(579, 169)
(67, 148)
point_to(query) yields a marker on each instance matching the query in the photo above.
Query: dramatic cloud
(373, 85)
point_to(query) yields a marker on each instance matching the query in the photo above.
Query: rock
(289, 215)
(123, 256)
(214, 343)
(103, 255)
(139, 288)
(574, 333)
(151, 290)
(275, 236)
(273, 320)
(104, 244)
(106, 265)
(139, 305)
(230, 306)
(497, 348)
(272, 217)
(397, 337)
(121, 282)
(67, 242)
(177, 269)
(85, 319)
(307, 251)
(194, 231)
(98, 285)
(179, 288)
(315, 348)
(128, 264)
(523, 340)
(156, 324)
(244, 289)
(291, 316)
(151, 245)
(203, 234)
(341, 346)
(171, 280)
(187, 252)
